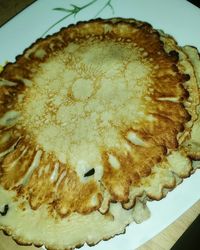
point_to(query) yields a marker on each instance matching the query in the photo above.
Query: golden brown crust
(95, 115)
(168, 117)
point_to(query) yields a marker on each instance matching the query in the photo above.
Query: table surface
(164, 240)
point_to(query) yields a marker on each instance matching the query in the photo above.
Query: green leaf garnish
(74, 10)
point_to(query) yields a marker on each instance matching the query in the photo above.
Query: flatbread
(94, 121)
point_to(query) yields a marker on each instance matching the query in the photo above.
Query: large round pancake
(158, 125)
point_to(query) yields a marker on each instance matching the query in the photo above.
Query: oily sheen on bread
(95, 120)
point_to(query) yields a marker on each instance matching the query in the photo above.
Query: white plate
(176, 17)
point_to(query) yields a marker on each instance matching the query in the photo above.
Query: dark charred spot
(186, 94)
(174, 55)
(145, 26)
(188, 117)
(181, 128)
(5, 210)
(186, 77)
(89, 173)
(175, 68)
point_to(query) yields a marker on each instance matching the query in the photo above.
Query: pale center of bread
(84, 97)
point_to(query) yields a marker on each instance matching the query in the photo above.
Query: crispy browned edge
(6, 231)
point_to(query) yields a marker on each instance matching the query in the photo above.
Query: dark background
(195, 2)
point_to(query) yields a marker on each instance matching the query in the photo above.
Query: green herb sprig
(74, 10)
